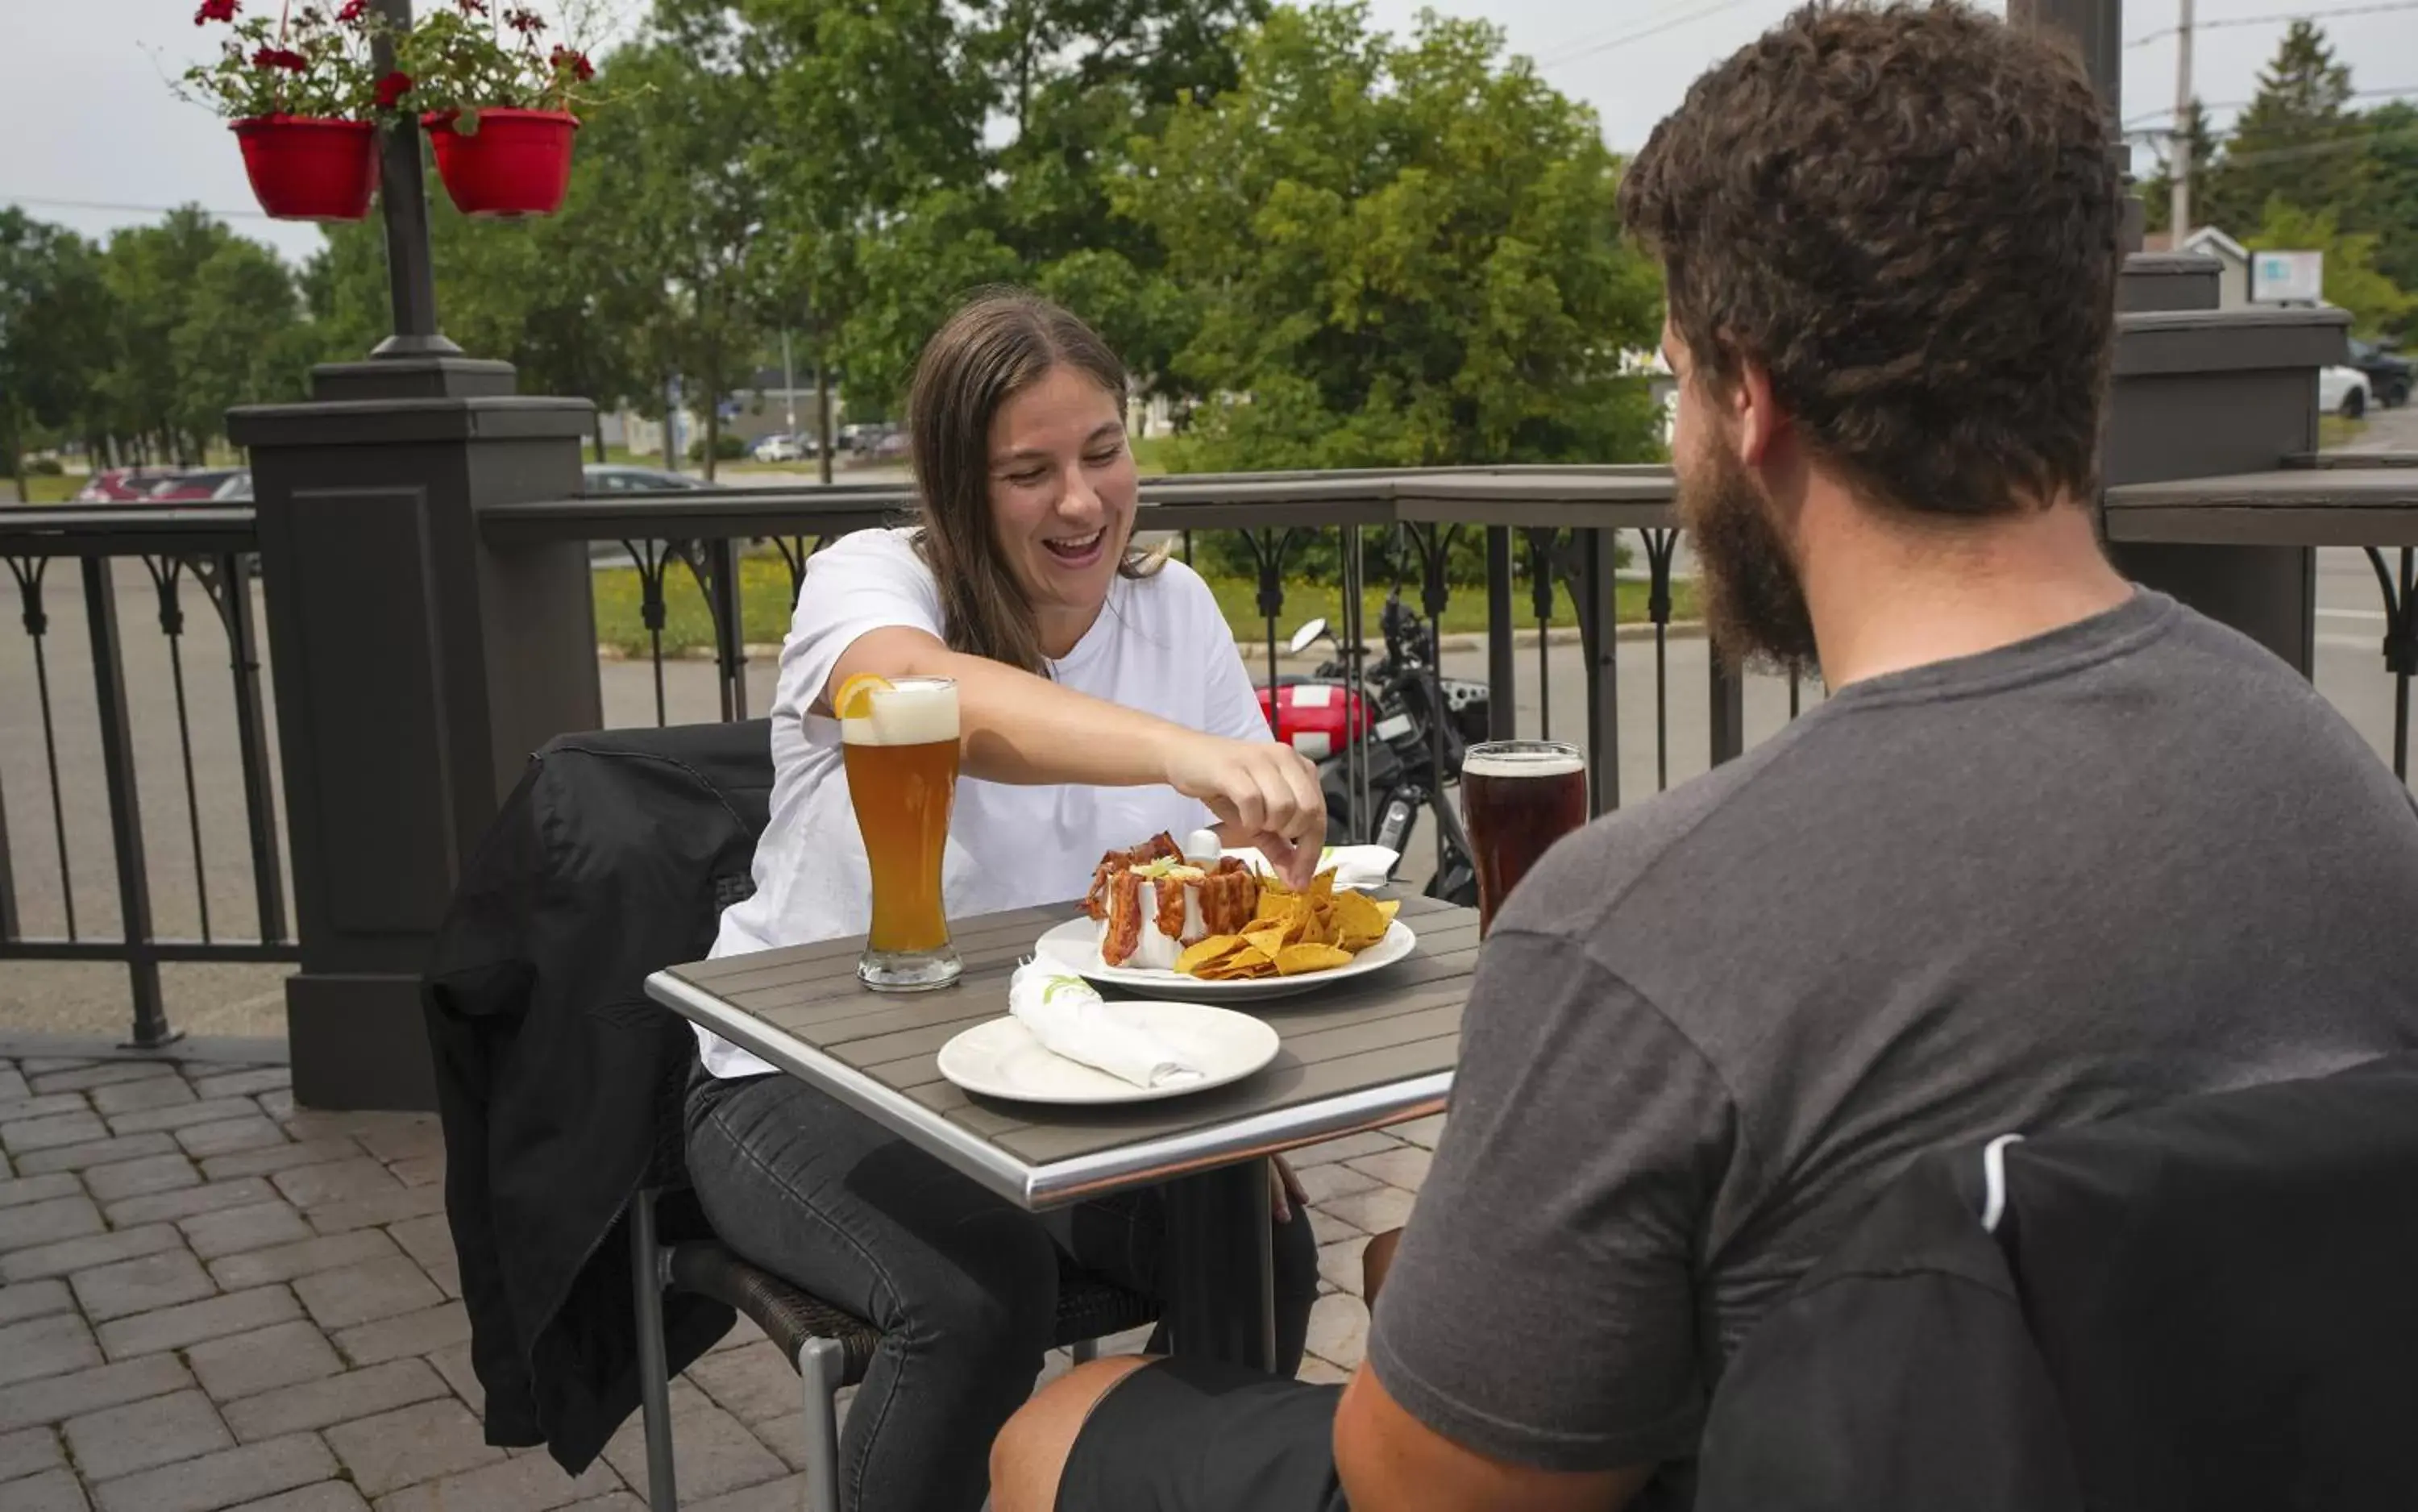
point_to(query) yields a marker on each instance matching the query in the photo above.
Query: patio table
(1359, 1055)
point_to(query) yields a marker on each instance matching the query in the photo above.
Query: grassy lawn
(2334, 430)
(764, 607)
(40, 490)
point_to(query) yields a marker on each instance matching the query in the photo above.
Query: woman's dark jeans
(963, 1285)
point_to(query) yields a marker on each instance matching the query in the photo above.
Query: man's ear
(1756, 415)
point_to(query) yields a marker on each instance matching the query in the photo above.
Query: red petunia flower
(577, 63)
(215, 11)
(471, 7)
(527, 23)
(353, 11)
(393, 89)
(280, 57)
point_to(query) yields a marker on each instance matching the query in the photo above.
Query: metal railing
(185, 555)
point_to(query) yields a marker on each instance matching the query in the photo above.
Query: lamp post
(403, 199)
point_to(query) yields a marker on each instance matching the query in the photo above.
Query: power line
(2147, 37)
(42, 202)
(1698, 13)
(2398, 91)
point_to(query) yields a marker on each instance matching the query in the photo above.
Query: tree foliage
(2289, 143)
(2351, 279)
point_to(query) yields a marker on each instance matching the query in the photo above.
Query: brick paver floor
(210, 1299)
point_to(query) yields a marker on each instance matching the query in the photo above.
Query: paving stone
(772, 1496)
(276, 1158)
(1406, 1168)
(12, 1082)
(243, 1084)
(103, 1074)
(448, 1278)
(97, 1153)
(20, 1109)
(713, 1453)
(57, 1398)
(225, 1137)
(33, 1299)
(24, 1189)
(397, 1136)
(1423, 1132)
(366, 1293)
(1339, 1329)
(413, 1333)
(1319, 1373)
(528, 1483)
(80, 1254)
(247, 1365)
(129, 1287)
(1349, 1147)
(376, 1211)
(1374, 1211)
(134, 1097)
(46, 1347)
(742, 1334)
(419, 1170)
(317, 1404)
(454, 1364)
(1329, 1229)
(752, 1384)
(176, 1328)
(327, 1496)
(120, 1440)
(32, 1135)
(1322, 1184)
(54, 1490)
(401, 1448)
(428, 1240)
(343, 1181)
(618, 1501)
(237, 1230)
(278, 1105)
(1339, 1264)
(166, 1207)
(37, 1065)
(225, 1480)
(29, 1452)
(120, 1180)
(304, 1256)
(29, 1224)
(183, 1115)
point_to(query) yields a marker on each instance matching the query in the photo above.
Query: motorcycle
(1402, 718)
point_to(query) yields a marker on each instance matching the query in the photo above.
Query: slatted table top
(1375, 1050)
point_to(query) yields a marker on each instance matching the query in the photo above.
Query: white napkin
(1354, 866)
(1069, 1019)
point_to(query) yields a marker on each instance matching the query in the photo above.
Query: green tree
(2351, 279)
(1404, 255)
(2157, 191)
(2392, 210)
(237, 338)
(2298, 141)
(54, 331)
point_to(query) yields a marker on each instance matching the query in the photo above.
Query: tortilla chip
(1295, 960)
(1249, 961)
(1200, 953)
(1268, 941)
(1361, 921)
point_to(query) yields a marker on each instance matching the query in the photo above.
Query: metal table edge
(1058, 1184)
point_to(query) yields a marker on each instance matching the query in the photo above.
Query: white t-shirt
(1159, 646)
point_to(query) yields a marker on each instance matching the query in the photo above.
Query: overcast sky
(97, 141)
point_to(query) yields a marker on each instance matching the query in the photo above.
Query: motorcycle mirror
(1308, 635)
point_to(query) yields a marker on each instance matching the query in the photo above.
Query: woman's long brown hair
(998, 343)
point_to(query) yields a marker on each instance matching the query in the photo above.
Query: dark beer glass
(1517, 798)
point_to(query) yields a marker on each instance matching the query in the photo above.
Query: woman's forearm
(1017, 728)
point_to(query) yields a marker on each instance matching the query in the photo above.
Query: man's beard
(1753, 603)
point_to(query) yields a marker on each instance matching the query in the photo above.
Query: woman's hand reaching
(1265, 794)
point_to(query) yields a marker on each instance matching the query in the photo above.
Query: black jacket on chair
(558, 1079)
(2206, 1306)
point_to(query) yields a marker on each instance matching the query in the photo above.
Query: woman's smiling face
(1062, 493)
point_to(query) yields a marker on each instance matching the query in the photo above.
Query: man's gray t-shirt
(2132, 859)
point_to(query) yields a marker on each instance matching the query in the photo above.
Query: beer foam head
(910, 712)
(1522, 762)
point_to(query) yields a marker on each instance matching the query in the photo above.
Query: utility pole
(790, 376)
(2178, 219)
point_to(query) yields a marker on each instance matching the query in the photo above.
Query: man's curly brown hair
(1909, 216)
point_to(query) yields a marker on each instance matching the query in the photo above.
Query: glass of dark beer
(1517, 798)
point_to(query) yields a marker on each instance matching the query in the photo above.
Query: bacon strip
(1161, 847)
(1229, 898)
(1124, 935)
(1171, 907)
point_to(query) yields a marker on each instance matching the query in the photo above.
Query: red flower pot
(518, 162)
(304, 168)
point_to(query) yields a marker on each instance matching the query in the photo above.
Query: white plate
(1001, 1059)
(1076, 946)
(1369, 867)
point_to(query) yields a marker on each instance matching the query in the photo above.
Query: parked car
(783, 447)
(2389, 373)
(198, 487)
(2342, 392)
(235, 490)
(620, 477)
(121, 485)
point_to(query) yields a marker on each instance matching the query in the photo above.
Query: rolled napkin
(1069, 1019)
(1354, 866)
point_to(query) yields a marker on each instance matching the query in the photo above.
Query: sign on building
(2287, 277)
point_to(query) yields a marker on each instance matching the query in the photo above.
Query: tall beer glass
(902, 777)
(1517, 798)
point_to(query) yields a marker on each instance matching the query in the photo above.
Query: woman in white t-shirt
(1101, 701)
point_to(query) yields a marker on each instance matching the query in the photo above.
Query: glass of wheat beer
(1517, 798)
(899, 741)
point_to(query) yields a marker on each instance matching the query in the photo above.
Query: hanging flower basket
(306, 168)
(512, 162)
